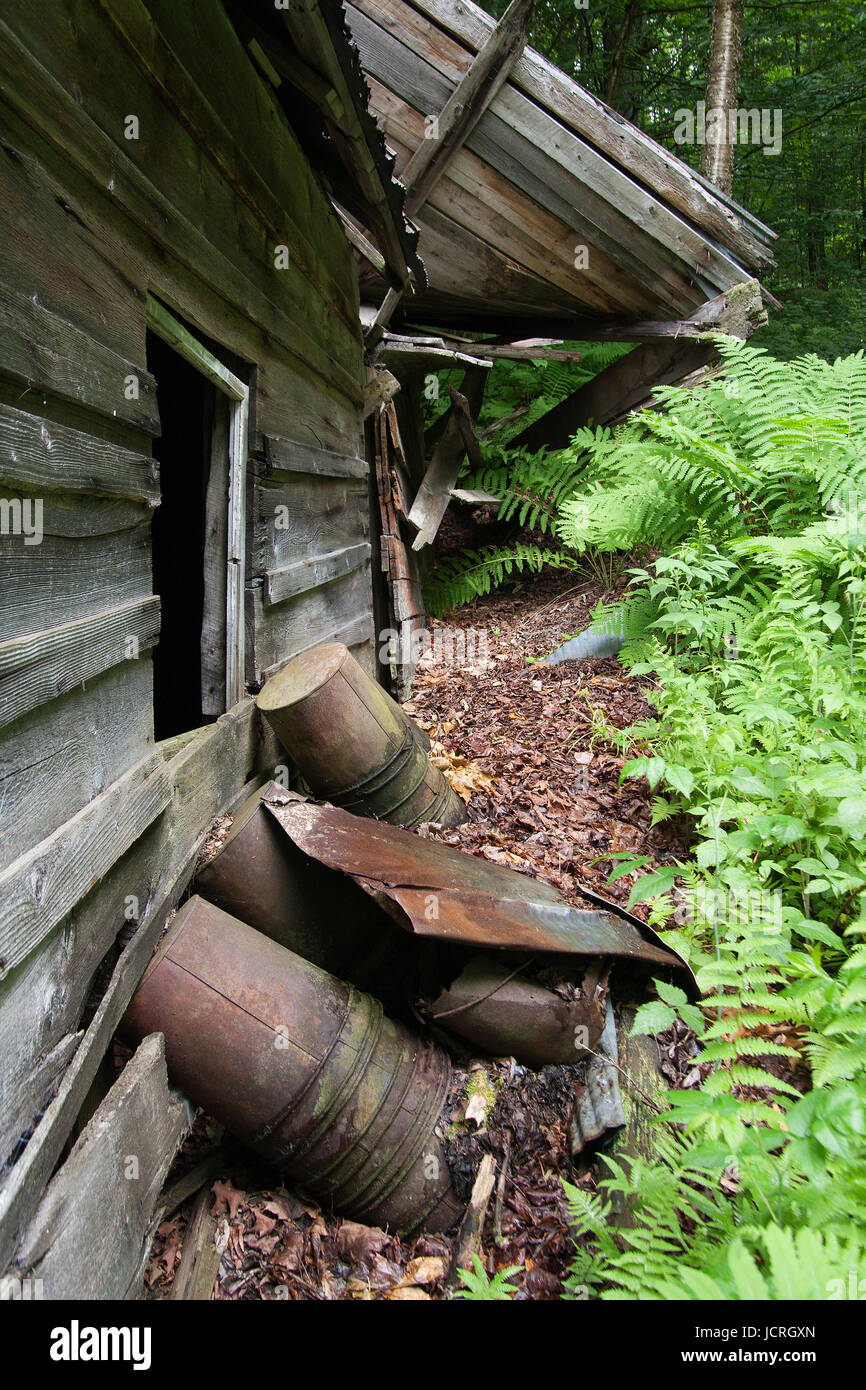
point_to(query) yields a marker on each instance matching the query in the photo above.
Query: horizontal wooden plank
(317, 615)
(296, 516)
(352, 634)
(284, 455)
(290, 398)
(37, 454)
(76, 744)
(68, 577)
(46, 664)
(45, 883)
(91, 1233)
(313, 572)
(41, 350)
(210, 775)
(235, 252)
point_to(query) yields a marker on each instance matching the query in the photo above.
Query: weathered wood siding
(98, 826)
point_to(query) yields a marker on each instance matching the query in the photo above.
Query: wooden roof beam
(519, 352)
(467, 104)
(462, 111)
(624, 386)
(738, 312)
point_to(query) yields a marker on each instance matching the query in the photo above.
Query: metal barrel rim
(369, 1040)
(382, 1184)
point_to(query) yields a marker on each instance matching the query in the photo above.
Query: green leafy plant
(752, 624)
(480, 1288)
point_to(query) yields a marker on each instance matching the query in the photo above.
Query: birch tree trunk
(723, 81)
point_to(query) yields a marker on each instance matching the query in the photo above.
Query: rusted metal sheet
(510, 1017)
(438, 891)
(302, 1068)
(262, 877)
(352, 743)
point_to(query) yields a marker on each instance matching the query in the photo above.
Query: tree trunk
(723, 81)
(617, 92)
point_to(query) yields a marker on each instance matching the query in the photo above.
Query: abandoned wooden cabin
(210, 286)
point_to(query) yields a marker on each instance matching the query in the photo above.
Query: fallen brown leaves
(545, 797)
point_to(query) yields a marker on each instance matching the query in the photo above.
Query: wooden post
(620, 388)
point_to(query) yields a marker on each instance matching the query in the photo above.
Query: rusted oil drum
(510, 1017)
(302, 1068)
(260, 876)
(353, 744)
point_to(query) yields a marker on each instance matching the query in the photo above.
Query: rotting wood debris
(499, 736)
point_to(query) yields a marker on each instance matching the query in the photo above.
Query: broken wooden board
(467, 104)
(434, 494)
(91, 1233)
(200, 1255)
(624, 386)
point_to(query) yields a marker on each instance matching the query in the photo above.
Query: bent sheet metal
(439, 891)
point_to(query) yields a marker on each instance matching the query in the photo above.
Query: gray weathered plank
(90, 1235)
(208, 774)
(434, 494)
(76, 745)
(45, 883)
(466, 104)
(317, 615)
(353, 634)
(69, 577)
(296, 515)
(41, 350)
(284, 455)
(38, 454)
(313, 572)
(43, 665)
(236, 255)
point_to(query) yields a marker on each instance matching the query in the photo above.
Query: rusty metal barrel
(305, 1070)
(260, 876)
(352, 743)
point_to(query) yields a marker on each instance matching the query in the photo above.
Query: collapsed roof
(552, 212)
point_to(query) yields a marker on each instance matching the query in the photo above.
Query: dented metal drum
(353, 744)
(262, 877)
(302, 1068)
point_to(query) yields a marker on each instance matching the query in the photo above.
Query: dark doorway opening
(188, 410)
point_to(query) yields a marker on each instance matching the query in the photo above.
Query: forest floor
(546, 802)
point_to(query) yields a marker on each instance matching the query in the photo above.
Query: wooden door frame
(164, 324)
